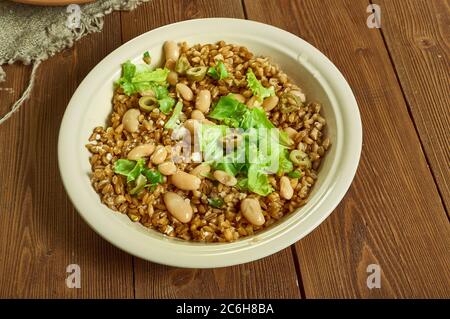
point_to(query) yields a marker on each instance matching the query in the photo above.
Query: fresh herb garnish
(215, 202)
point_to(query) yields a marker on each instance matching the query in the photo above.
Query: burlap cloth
(31, 34)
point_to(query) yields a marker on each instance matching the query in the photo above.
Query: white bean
(170, 64)
(141, 151)
(300, 94)
(225, 178)
(178, 207)
(270, 102)
(130, 120)
(171, 50)
(201, 170)
(207, 122)
(286, 190)
(197, 115)
(167, 168)
(290, 132)
(190, 125)
(172, 78)
(159, 155)
(185, 91)
(251, 210)
(239, 97)
(253, 102)
(203, 101)
(185, 181)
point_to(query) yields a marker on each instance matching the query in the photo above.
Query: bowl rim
(207, 255)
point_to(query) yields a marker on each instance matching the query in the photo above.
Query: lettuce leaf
(257, 88)
(242, 183)
(124, 166)
(219, 72)
(156, 76)
(165, 102)
(229, 110)
(128, 168)
(137, 174)
(284, 164)
(256, 118)
(139, 78)
(235, 114)
(139, 185)
(258, 180)
(210, 141)
(128, 70)
(153, 177)
(172, 122)
(265, 147)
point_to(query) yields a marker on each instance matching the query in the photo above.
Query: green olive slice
(182, 65)
(148, 103)
(196, 74)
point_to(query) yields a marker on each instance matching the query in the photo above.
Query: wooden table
(395, 214)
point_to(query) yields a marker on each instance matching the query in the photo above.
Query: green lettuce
(257, 88)
(165, 102)
(295, 174)
(172, 122)
(242, 183)
(264, 150)
(235, 114)
(138, 176)
(229, 110)
(156, 76)
(256, 118)
(218, 72)
(128, 168)
(210, 141)
(153, 177)
(258, 180)
(284, 164)
(141, 78)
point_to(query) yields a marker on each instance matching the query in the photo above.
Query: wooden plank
(417, 34)
(273, 277)
(17, 76)
(392, 215)
(157, 13)
(40, 232)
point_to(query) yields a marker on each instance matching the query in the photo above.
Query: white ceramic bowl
(308, 67)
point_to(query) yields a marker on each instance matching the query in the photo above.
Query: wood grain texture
(418, 37)
(392, 215)
(273, 277)
(157, 13)
(16, 80)
(40, 232)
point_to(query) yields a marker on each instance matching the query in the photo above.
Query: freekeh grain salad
(214, 146)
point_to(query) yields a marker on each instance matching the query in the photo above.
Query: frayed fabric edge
(88, 24)
(25, 95)
(2, 75)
